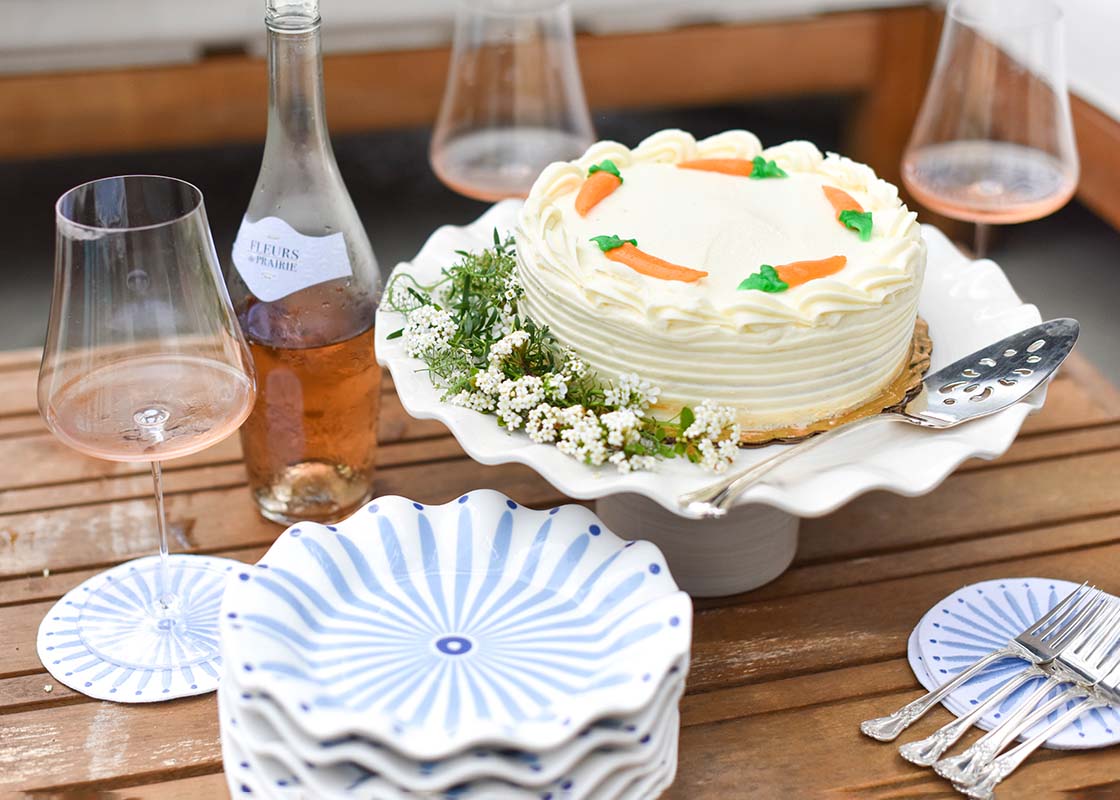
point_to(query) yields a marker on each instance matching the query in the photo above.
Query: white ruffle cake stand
(968, 304)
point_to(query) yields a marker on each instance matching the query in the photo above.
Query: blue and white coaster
(101, 638)
(977, 619)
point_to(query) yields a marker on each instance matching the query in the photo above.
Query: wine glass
(144, 361)
(993, 142)
(514, 101)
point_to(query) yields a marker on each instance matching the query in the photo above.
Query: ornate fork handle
(926, 751)
(889, 727)
(1003, 766)
(715, 499)
(967, 768)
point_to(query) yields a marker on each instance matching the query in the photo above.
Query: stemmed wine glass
(144, 361)
(514, 100)
(993, 142)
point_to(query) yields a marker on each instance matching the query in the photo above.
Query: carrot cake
(779, 281)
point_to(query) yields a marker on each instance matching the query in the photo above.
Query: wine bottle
(305, 286)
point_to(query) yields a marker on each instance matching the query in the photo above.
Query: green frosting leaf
(398, 333)
(687, 418)
(606, 165)
(767, 169)
(611, 242)
(765, 280)
(858, 221)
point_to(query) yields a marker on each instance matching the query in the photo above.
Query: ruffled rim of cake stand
(968, 304)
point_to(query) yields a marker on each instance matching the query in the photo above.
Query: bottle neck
(296, 112)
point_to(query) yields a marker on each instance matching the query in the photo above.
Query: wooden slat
(970, 505)
(819, 752)
(70, 538)
(43, 750)
(226, 473)
(222, 99)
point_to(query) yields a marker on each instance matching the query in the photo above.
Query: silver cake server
(987, 381)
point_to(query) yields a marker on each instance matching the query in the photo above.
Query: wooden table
(780, 676)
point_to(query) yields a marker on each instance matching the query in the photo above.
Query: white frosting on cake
(782, 359)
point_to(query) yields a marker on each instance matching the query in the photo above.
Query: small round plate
(100, 639)
(977, 619)
(968, 304)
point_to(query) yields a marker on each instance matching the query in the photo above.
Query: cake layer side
(774, 375)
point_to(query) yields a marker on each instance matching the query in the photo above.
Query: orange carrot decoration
(800, 272)
(757, 167)
(602, 179)
(625, 251)
(841, 200)
(728, 166)
(849, 212)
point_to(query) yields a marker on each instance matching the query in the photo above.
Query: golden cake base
(906, 385)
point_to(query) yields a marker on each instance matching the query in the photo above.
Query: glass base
(111, 638)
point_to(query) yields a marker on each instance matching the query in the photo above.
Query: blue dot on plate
(674, 621)
(554, 511)
(418, 507)
(232, 615)
(595, 530)
(332, 529)
(511, 504)
(463, 499)
(655, 568)
(294, 532)
(194, 685)
(244, 576)
(245, 789)
(248, 667)
(566, 785)
(373, 509)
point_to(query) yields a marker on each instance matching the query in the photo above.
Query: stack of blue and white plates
(476, 650)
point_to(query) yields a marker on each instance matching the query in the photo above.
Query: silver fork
(1105, 692)
(1088, 657)
(1031, 645)
(925, 752)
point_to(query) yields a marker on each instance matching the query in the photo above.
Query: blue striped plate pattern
(437, 628)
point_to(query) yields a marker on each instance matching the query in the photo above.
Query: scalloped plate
(968, 304)
(438, 628)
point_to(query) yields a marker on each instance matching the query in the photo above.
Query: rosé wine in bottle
(305, 285)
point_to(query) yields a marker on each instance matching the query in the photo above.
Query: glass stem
(980, 240)
(166, 601)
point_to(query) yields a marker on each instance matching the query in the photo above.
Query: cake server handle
(717, 498)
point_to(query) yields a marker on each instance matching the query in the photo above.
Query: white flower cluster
(715, 433)
(632, 392)
(428, 331)
(538, 405)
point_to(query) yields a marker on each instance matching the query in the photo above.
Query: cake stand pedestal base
(749, 547)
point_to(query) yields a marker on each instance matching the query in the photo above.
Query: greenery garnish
(611, 242)
(767, 169)
(606, 165)
(765, 280)
(485, 355)
(858, 221)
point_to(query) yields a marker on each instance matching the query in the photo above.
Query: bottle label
(274, 259)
